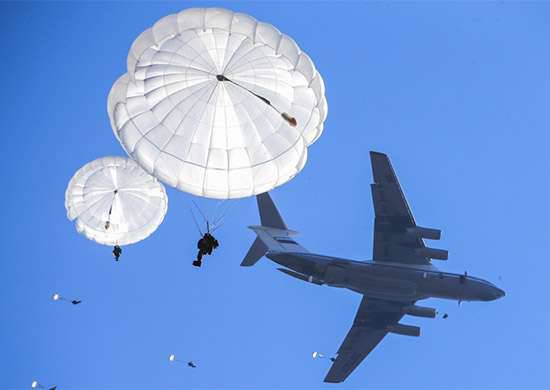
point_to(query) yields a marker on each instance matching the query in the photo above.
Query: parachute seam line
(176, 130)
(298, 57)
(234, 59)
(90, 206)
(194, 30)
(170, 84)
(174, 72)
(262, 144)
(244, 58)
(305, 126)
(220, 62)
(156, 61)
(185, 115)
(140, 214)
(269, 78)
(143, 225)
(211, 137)
(144, 135)
(197, 128)
(175, 105)
(262, 95)
(263, 58)
(183, 43)
(227, 65)
(100, 168)
(231, 23)
(279, 43)
(226, 96)
(210, 56)
(224, 64)
(205, 48)
(250, 168)
(255, 33)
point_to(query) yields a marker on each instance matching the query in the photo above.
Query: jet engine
(419, 311)
(405, 330)
(433, 253)
(422, 232)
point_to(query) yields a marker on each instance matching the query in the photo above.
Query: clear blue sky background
(457, 93)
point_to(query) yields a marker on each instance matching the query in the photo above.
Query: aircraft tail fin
(273, 234)
(269, 215)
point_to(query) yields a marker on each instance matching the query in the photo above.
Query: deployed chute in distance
(113, 201)
(218, 104)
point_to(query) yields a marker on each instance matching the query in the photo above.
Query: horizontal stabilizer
(255, 253)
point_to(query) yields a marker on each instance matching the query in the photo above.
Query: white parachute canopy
(115, 202)
(218, 104)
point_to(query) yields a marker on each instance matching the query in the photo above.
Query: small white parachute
(218, 104)
(113, 201)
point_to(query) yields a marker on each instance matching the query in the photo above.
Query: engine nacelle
(305, 278)
(405, 330)
(422, 232)
(433, 253)
(419, 311)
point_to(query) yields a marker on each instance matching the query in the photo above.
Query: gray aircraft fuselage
(385, 280)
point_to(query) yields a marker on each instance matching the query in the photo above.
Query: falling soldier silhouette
(117, 251)
(206, 245)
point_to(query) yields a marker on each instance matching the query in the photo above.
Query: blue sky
(457, 93)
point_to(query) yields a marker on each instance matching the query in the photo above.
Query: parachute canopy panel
(218, 104)
(113, 201)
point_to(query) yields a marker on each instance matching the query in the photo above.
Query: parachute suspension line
(218, 222)
(195, 220)
(289, 119)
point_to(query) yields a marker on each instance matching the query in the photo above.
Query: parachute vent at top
(218, 104)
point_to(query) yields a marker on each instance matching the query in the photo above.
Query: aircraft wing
(368, 329)
(393, 218)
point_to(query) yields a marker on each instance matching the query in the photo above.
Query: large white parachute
(218, 104)
(115, 202)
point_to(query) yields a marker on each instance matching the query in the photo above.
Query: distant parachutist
(172, 359)
(127, 204)
(58, 297)
(36, 385)
(117, 251)
(318, 355)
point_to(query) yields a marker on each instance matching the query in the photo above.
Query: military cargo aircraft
(399, 275)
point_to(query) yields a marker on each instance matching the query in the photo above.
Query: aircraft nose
(495, 294)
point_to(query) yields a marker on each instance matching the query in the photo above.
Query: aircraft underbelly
(371, 284)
